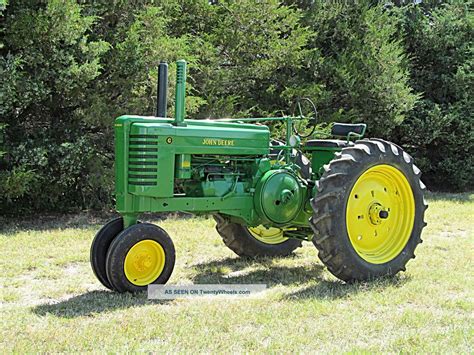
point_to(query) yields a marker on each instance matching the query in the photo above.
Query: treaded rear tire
(238, 239)
(329, 218)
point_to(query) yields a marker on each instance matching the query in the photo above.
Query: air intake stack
(180, 93)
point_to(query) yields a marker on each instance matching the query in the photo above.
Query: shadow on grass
(81, 220)
(94, 302)
(464, 197)
(264, 270)
(337, 289)
(45, 222)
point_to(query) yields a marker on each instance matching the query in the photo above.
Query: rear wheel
(268, 235)
(255, 241)
(369, 211)
(142, 254)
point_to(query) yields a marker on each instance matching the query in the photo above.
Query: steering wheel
(305, 109)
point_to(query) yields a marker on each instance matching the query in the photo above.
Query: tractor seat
(328, 143)
(339, 130)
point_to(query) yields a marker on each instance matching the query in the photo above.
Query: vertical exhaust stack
(162, 90)
(180, 93)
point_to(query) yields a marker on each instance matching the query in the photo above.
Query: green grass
(51, 301)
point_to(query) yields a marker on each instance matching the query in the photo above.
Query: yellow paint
(216, 141)
(144, 262)
(268, 235)
(380, 190)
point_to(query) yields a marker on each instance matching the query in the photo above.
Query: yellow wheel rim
(268, 235)
(380, 214)
(144, 262)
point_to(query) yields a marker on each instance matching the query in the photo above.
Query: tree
(252, 49)
(48, 64)
(70, 68)
(357, 70)
(439, 131)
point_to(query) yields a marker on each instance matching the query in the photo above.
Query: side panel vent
(143, 160)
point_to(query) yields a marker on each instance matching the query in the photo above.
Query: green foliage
(357, 71)
(16, 183)
(439, 131)
(48, 64)
(253, 51)
(2, 140)
(69, 68)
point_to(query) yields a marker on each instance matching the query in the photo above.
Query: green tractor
(360, 201)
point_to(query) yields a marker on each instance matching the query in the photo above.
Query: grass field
(51, 301)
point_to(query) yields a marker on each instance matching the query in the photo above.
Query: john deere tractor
(360, 201)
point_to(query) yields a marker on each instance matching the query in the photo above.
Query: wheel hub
(377, 213)
(144, 262)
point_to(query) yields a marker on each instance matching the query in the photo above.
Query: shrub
(439, 132)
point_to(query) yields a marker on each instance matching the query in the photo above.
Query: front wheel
(140, 255)
(369, 211)
(100, 246)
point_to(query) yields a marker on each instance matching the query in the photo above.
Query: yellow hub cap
(144, 262)
(380, 214)
(268, 235)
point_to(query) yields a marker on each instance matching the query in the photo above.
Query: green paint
(203, 166)
(180, 92)
(320, 156)
(278, 197)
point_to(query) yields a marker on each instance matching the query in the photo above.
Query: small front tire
(141, 255)
(100, 246)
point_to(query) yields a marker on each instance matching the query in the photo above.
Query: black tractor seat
(345, 130)
(328, 143)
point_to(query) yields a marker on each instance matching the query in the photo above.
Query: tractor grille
(143, 160)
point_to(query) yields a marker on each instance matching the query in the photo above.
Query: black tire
(300, 159)
(100, 246)
(238, 239)
(329, 219)
(122, 244)
(305, 165)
